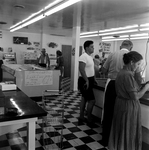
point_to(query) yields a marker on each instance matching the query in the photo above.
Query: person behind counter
(126, 130)
(60, 62)
(1, 62)
(43, 59)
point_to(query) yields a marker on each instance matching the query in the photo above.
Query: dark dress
(60, 64)
(126, 130)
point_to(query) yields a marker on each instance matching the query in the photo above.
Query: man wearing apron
(112, 66)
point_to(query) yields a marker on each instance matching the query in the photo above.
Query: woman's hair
(59, 53)
(132, 56)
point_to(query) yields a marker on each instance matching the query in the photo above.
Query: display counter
(98, 108)
(27, 113)
(33, 80)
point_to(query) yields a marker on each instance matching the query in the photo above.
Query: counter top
(26, 107)
(101, 86)
(145, 99)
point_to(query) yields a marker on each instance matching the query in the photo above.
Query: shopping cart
(52, 124)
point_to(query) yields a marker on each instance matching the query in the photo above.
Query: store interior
(27, 26)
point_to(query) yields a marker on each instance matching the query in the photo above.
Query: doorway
(66, 50)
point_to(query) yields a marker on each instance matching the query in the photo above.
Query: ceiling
(95, 15)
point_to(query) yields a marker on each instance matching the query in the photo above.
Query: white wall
(7, 41)
(59, 40)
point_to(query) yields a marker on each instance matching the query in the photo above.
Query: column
(75, 46)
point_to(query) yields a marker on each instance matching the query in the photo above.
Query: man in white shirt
(112, 66)
(86, 81)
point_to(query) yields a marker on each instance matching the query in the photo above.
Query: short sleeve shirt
(89, 67)
(114, 63)
(125, 83)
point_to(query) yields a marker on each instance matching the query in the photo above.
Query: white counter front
(33, 82)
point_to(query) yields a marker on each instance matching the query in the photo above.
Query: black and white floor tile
(76, 136)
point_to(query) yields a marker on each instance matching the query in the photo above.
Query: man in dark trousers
(1, 62)
(86, 81)
(112, 66)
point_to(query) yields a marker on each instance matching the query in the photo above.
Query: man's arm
(48, 60)
(83, 73)
(37, 61)
(105, 67)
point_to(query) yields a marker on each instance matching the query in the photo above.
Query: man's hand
(86, 85)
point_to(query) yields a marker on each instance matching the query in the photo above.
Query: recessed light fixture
(2, 22)
(19, 6)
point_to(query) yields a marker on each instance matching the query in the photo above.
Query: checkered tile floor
(76, 136)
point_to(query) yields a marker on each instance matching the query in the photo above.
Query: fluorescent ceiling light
(108, 37)
(89, 35)
(118, 32)
(116, 39)
(31, 16)
(33, 20)
(120, 28)
(92, 32)
(144, 29)
(144, 25)
(112, 37)
(60, 7)
(28, 23)
(124, 36)
(139, 38)
(52, 4)
(141, 34)
(17, 28)
(34, 14)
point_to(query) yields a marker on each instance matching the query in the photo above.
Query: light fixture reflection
(16, 106)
